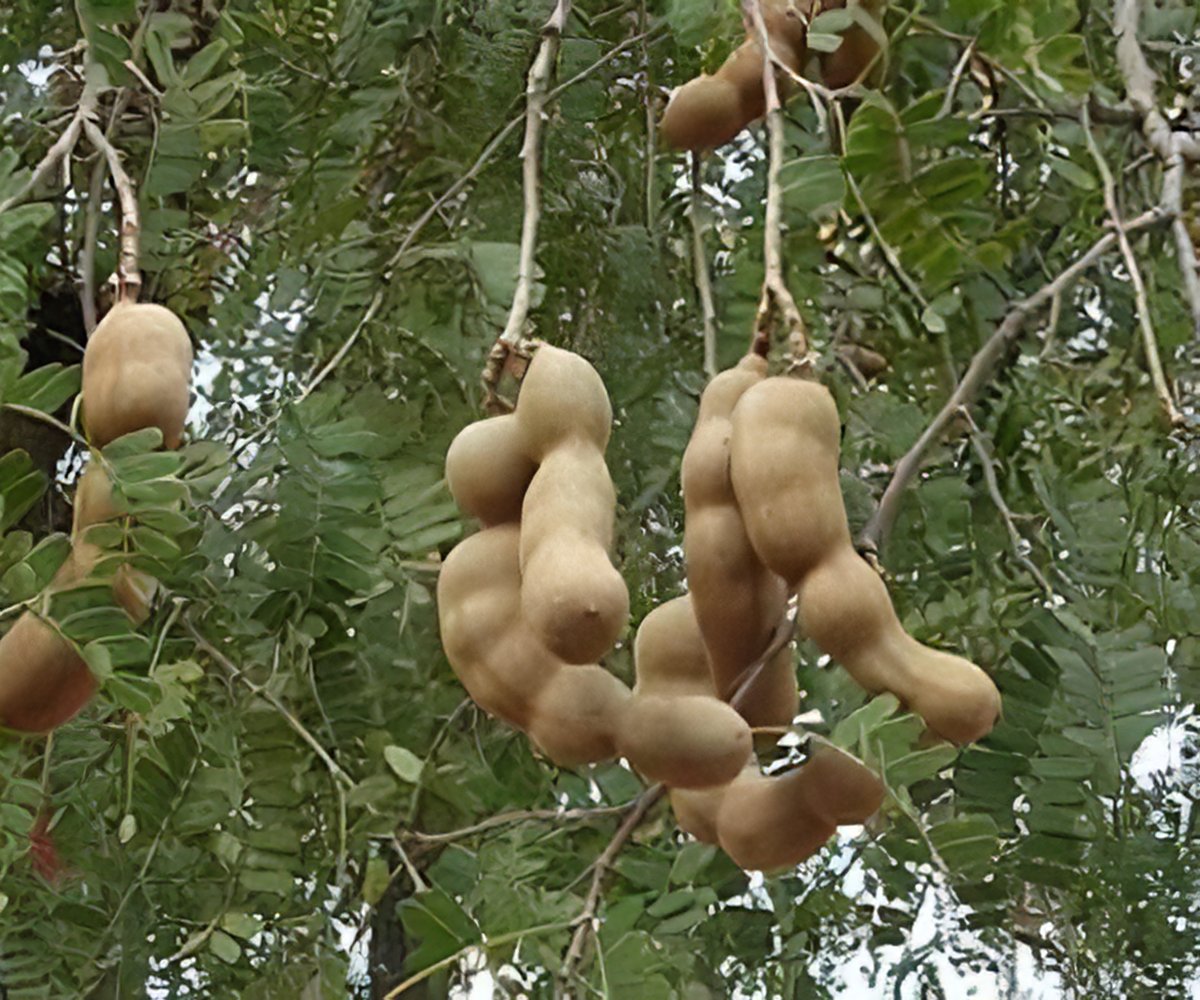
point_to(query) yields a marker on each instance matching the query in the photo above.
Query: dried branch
(1142, 304)
(1173, 148)
(776, 297)
(585, 923)
(700, 272)
(980, 372)
(129, 278)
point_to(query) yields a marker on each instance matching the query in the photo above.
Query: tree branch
(988, 465)
(129, 279)
(531, 150)
(980, 372)
(586, 921)
(1173, 148)
(1142, 305)
(61, 150)
(519, 816)
(776, 296)
(700, 272)
(335, 769)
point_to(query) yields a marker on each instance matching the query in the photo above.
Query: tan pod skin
(784, 462)
(850, 61)
(137, 373)
(738, 602)
(571, 712)
(43, 679)
(488, 470)
(765, 823)
(675, 730)
(571, 594)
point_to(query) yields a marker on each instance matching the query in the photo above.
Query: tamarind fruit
(571, 594)
(488, 469)
(571, 712)
(709, 110)
(768, 822)
(675, 730)
(738, 602)
(784, 466)
(851, 60)
(43, 679)
(136, 374)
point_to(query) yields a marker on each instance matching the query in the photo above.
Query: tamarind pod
(738, 602)
(784, 464)
(562, 398)
(849, 62)
(488, 470)
(784, 469)
(675, 730)
(771, 822)
(136, 374)
(572, 596)
(577, 715)
(133, 589)
(787, 27)
(845, 609)
(43, 679)
(685, 741)
(498, 661)
(703, 114)
(571, 712)
(696, 809)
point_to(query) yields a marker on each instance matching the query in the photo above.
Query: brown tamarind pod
(708, 111)
(488, 469)
(43, 679)
(572, 712)
(675, 730)
(768, 822)
(562, 398)
(133, 589)
(738, 602)
(845, 609)
(784, 466)
(851, 61)
(577, 715)
(571, 594)
(136, 374)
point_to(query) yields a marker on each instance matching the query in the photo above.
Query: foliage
(184, 837)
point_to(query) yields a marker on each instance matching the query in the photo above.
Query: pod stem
(129, 278)
(537, 90)
(776, 300)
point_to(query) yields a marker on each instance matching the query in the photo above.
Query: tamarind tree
(280, 789)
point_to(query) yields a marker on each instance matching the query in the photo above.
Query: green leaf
(406, 764)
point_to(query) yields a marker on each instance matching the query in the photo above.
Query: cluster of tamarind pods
(709, 110)
(136, 374)
(531, 602)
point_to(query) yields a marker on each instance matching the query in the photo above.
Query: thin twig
(700, 273)
(956, 76)
(129, 279)
(979, 373)
(519, 816)
(585, 923)
(776, 297)
(449, 960)
(1170, 146)
(531, 154)
(300, 729)
(1141, 303)
(61, 150)
(988, 464)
